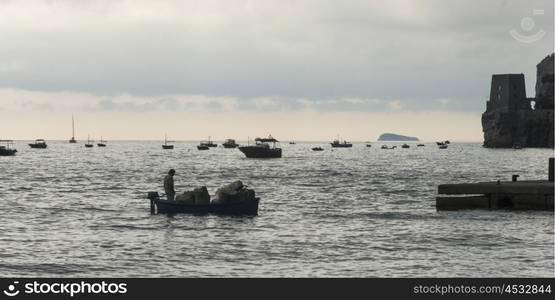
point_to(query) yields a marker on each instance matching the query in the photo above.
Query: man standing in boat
(168, 185)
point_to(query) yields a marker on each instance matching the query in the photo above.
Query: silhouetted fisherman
(168, 185)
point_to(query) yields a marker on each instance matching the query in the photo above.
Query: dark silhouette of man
(168, 185)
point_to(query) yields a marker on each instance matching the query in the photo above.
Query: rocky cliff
(511, 118)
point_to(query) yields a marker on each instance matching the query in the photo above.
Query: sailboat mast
(72, 127)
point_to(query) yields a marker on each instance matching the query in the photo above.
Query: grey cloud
(413, 51)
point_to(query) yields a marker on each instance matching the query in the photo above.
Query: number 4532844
(527, 289)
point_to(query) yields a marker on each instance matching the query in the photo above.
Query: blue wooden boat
(163, 206)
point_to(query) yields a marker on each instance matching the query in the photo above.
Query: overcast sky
(302, 70)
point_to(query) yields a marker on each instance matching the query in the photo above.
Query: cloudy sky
(301, 70)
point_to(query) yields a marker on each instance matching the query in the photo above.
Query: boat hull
(38, 146)
(202, 147)
(259, 152)
(7, 152)
(167, 146)
(240, 208)
(341, 145)
(230, 146)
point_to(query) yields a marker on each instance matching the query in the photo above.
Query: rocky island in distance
(396, 137)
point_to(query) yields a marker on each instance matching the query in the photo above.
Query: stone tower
(544, 83)
(508, 92)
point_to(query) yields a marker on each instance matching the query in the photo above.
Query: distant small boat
(102, 143)
(337, 144)
(89, 144)
(317, 149)
(166, 146)
(207, 144)
(262, 148)
(38, 144)
(291, 143)
(389, 148)
(443, 146)
(440, 143)
(203, 147)
(7, 148)
(447, 142)
(405, 146)
(72, 140)
(230, 143)
(368, 145)
(420, 145)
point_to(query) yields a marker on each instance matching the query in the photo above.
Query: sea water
(356, 212)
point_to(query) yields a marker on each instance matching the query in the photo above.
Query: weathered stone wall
(544, 83)
(506, 125)
(529, 128)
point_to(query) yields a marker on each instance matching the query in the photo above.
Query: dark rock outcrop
(396, 137)
(511, 118)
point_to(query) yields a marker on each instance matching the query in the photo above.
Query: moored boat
(405, 146)
(230, 143)
(7, 148)
(102, 143)
(166, 146)
(89, 143)
(337, 144)
(207, 144)
(72, 140)
(38, 144)
(317, 149)
(262, 148)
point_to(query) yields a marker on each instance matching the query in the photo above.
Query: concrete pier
(518, 195)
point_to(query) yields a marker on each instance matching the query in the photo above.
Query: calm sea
(360, 212)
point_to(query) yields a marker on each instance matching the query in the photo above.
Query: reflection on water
(358, 212)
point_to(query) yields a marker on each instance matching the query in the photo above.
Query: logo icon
(11, 290)
(527, 24)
